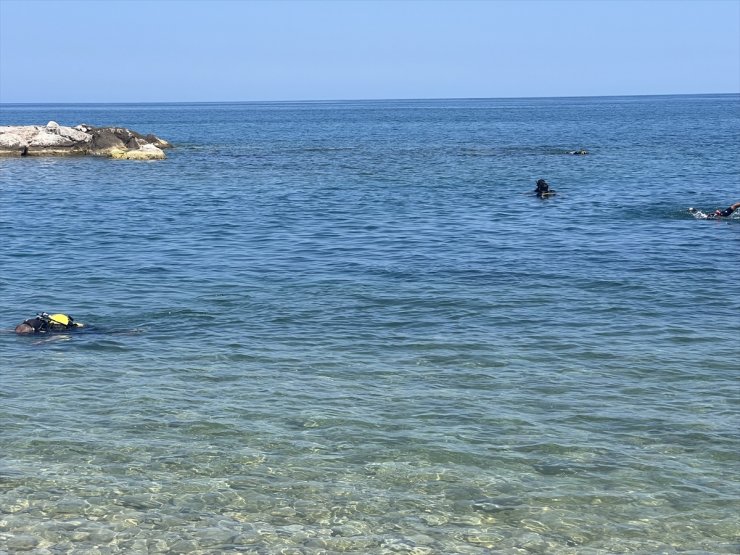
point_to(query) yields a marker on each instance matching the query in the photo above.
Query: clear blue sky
(170, 50)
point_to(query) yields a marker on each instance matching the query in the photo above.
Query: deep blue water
(350, 327)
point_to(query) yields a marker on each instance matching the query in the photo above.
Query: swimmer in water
(726, 213)
(543, 189)
(48, 323)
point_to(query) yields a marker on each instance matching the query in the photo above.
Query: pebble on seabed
(22, 542)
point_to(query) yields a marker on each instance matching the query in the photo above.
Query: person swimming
(719, 213)
(543, 189)
(48, 323)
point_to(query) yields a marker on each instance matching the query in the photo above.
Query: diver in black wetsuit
(719, 213)
(48, 323)
(543, 189)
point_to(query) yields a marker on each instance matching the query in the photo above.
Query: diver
(48, 323)
(543, 189)
(719, 213)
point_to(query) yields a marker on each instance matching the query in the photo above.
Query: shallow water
(351, 328)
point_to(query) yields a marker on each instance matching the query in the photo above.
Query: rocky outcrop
(57, 140)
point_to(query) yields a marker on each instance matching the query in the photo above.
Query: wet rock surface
(53, 139)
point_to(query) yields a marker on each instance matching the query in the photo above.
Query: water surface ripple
(351, 328)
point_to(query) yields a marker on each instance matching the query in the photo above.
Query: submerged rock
(145, 152)
(53, 139)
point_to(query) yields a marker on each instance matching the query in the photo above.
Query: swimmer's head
(24, 328)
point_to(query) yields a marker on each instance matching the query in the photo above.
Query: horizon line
(408, 99)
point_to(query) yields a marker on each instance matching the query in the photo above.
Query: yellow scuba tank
(64, 320)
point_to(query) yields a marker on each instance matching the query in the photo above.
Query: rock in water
(146, 152)
(53, 139)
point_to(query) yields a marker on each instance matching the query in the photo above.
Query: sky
(222, 51)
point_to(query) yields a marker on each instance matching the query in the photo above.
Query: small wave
(698, 214)
(517, 152)
(326, 149)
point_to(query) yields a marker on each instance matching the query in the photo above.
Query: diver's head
(24, 328)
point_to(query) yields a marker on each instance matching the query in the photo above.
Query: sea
(351, 327)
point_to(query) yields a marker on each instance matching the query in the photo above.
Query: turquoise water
(350, 327)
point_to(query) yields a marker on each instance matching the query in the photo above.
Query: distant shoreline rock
(53, 139)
